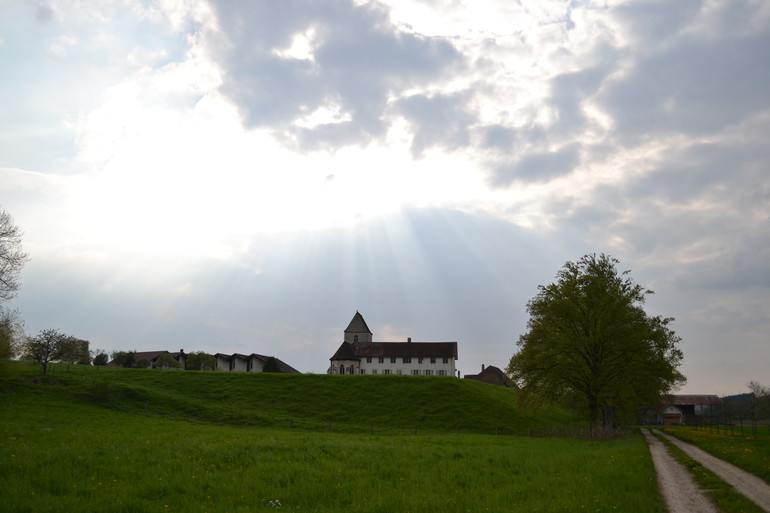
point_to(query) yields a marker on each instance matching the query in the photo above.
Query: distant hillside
(310, 402)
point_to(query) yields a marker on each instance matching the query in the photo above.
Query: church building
(358, 354)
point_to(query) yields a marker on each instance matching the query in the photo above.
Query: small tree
(100, 358)
(74, 350)
(124, 358)
(11, 333)
(199, 360)
(760, 401)
(166, 361)
(45, 347)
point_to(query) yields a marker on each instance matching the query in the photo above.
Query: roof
(358, 325)
(149, 355)
(682, 400)
(492, 375)
(358, 350)
(345, 352)
(282, 366)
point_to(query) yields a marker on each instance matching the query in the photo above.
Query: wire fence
(747, 415)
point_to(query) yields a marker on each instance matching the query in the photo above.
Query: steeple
(357, 330)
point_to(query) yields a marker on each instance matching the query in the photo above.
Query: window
(442, 372)
(415, 372)
(392, 359)
(386, 371)
(446, 360)
(363, 371)
(368, 359)
(374, 371)
(342, 369)
(407, 359)
(381, 359)
(419, 360)
(428, 372)
(355, 338)
(432, 360)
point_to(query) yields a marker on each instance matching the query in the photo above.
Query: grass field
(385, 404)
(65, 446)
(747, 452)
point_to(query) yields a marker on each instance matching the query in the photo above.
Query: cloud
(701, 74)
(442, 120)
(44, 13)
(356, 62)
(537, 167)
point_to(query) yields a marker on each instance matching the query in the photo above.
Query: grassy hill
(135, 441)
(306, 402)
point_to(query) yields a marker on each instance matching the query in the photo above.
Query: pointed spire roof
(358, 325)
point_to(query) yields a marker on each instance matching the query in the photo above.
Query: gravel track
(749, 485)
(678, 488)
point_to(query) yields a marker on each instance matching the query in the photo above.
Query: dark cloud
(536, 167)
(570, 90)
(655, 21)
(438, 120)
(43, 12)
(703, 81)
(497, 137)
(359, 61)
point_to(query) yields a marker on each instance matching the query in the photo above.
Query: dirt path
(677, 486)
(749, 485)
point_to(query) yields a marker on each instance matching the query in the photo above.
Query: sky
(231, 176)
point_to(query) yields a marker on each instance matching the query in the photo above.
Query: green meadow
(123, 440)
(749, 451)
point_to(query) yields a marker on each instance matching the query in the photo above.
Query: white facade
(241, 362)
(399, 365)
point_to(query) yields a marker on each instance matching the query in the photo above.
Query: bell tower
(357, 330)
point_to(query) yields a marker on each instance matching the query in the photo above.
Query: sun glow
(197, 181)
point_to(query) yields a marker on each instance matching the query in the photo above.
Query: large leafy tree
(590, 343)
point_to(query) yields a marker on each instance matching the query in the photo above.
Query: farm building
(491, 374)
(252, 363)
(155, 359)
(358, 354)
(686, 410)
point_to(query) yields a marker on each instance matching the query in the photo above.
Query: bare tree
(12, 258)
(758, 389)
(45, 347)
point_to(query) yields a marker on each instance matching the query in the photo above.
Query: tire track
(677, 486)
